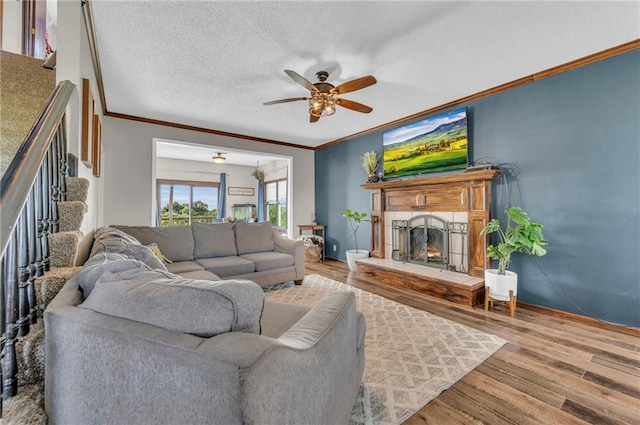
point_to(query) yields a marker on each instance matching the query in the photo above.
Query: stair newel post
(10, 278)
(32, 235)
(45, 200)
(37, 209)
(23, 275)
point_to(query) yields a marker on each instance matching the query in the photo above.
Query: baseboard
(579, 318)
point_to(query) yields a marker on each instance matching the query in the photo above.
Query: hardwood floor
(553, 370)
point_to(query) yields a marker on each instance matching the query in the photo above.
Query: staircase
(27, 408)
(26, 88)
(41, 211)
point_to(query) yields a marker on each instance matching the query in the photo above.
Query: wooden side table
(316, 229)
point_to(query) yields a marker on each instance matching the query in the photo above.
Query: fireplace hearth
(431, 241)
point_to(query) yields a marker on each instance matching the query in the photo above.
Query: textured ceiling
(212, 64)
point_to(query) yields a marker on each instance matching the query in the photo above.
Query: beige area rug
(411, 356)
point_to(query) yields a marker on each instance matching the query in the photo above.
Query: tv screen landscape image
(437, 143)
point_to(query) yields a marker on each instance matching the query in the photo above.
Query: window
(276, 202)
(182, 202)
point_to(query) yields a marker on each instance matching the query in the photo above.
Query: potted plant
(520, 235)
(258, 173)
(370, 164)
(355, 218)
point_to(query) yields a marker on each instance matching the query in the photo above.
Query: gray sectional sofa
(129, 342)
(255, 251)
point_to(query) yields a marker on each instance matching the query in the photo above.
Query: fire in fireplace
(431, 241)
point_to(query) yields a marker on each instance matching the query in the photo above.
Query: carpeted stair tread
(26, 408)
(70, 215)
(30, 352)
(48, 285)
(63, 248)
(26, 88)
(77, 189)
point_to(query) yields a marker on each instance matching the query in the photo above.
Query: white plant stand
(500, 288)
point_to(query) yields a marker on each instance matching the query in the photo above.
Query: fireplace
(429, 240)
(462, 199)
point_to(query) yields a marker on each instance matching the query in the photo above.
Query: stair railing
(29, 191)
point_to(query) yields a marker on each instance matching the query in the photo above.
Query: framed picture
(87, 123)
(96, 147)
(244, 191)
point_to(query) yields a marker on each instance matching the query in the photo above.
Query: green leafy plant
(258, 174)
(520, 235)
(370, 162)
(354, 218)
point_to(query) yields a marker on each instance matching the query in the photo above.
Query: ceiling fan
(323, 100)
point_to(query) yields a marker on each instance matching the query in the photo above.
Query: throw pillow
(156, 250)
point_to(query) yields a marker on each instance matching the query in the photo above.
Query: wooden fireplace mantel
(466, 191)
(448, 178)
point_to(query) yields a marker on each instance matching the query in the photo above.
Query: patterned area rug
(411, 355)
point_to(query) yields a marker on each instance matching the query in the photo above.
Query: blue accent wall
(569, 146)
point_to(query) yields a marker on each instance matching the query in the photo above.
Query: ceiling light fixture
(219, 159)
(323, 100)
(322, 105)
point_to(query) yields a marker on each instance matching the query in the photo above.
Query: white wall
(74, 63)
(128, 161)
(275, 170)
(237, 176)
(12, 26)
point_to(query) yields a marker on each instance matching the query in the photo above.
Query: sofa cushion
(213, 240)
(278, 317)
(175, 242)
(269, 260)
(184, 266)
(253, 237)
(201, 308)
(111, 240)
(201, 274)
(227, 266)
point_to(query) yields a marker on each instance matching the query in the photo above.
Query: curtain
(260, 200)
(222, 196)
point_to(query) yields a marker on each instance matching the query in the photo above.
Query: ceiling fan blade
(355, 106)
(313, 118)
(291, 99)
(353, 85)
(301, 80)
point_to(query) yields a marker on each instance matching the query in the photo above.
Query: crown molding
(596, 57)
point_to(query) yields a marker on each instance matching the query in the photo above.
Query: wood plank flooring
(553, 370)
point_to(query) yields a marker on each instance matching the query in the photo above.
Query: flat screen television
(437, 143)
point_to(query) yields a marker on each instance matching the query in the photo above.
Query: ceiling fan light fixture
(329, 107)
(219, 159)
(323, 100)
(322, 105)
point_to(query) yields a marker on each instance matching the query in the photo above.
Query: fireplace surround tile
(460, 216)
